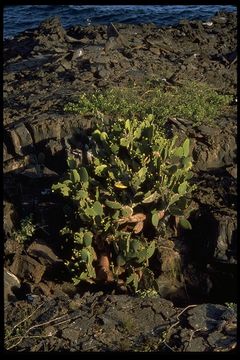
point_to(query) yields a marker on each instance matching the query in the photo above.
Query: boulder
(25, 267)
(11, 283)
(10, 218)
(20, 138)
(40, 250)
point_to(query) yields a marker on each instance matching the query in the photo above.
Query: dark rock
(53, 147)
(77, 54)
(46, 128)
(104, 322)
(102, 72)
(51, 32)
(50, 331)
(197, 344)
(71, 334)
(45, 289)
(8, 77)
(85, 40)
(219, 342)
(72, 122)
(208, 130)
(19, 48)
(215, 235)
(10, 218)
(87, 75)
(219, 19)
(11, 284)
(231, 57)
(155, 51)
(38, 172)
(207, 329)
(207, 316)
(12, 247)
(16, 164)
(25, 267)
(225, 248)
(40, 250)
(232, 170)
(112, 31)
(136, 75)
(115, 39)
(216, 153)
(110, 44)
(66, 65)
(20, 138)
(6, 155)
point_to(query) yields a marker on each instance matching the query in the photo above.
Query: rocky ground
(43, 70)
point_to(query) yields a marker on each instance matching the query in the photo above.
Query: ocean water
(17, 18)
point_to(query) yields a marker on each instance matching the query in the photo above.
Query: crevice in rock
(8, 143)
(30, 130)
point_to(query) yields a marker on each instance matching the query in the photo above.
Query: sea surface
(18, 18)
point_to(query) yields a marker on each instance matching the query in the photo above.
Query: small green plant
(232, 306)
(195, 101)
(134, 183)
(148, 293)
(26, 230)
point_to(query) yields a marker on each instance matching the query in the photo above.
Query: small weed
(150, 293)
(231, 306)
(26, 231)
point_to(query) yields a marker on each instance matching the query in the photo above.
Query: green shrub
(195, 101)
(26, 230)
(134, 183)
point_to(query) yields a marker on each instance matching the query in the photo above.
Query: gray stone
(196, 345)
(38, 172)
(24, 135)
(10, 218)
(110, 44)
(16, 141)
(232, 170)
(40, 249)
(219, 341)
(46, 128)
(51, 31)
(216, 153)
(54, 147)
(208, 130)
(66, 64)
(6, 155)
(87, 76)
(71, 122)
(12, 247)
(205, 317)
(11, 282)
(70, 334)
(16, 164)
(25, 267)
(120, 323)
(155, 51)
(102, 71)
(225, 237)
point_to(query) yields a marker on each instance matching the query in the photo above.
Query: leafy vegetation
(26, 230)
(232, 306)
(133, 182)
(195, 101)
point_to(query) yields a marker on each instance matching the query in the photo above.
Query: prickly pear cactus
(136, 179)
